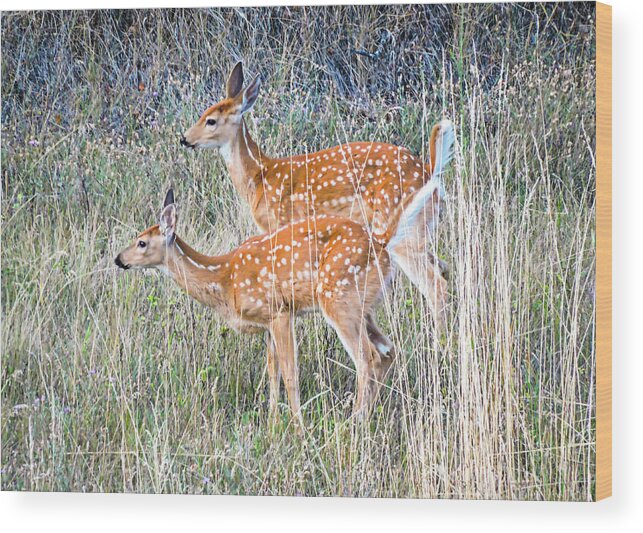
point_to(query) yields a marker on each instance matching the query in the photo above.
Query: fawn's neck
(204, 278)
(245, 162)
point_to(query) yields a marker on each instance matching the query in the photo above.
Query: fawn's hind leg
(352, 332)
(414, 255)
(274, 374)
(383, 345)
(427, 273)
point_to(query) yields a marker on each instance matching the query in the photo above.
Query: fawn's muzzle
(184, 142)
(120, 263)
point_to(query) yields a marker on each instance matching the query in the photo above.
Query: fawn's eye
(211, 121)
(142, 244)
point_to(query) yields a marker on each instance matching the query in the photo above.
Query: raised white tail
(410, 242)
(413, 217)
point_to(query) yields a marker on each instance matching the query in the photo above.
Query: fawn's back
(313, 259)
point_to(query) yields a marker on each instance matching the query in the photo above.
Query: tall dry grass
(114, 382)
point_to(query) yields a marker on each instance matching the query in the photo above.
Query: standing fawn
(326, 263)
(362, 181)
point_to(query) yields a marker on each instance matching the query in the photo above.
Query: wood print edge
(603, 251)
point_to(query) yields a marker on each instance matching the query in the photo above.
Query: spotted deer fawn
(325, 263)
(362, 181)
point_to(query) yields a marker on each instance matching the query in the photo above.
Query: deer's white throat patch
(226, 152)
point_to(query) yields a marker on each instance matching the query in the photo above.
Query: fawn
(325, 263)
(363, 181)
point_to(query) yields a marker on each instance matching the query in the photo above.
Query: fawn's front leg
(285, 349)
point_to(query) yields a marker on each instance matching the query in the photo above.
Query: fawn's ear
(235, 81)
(169, 197)
(250, 95)
(167, 224)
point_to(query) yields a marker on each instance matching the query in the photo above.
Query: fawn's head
(149, 250)
(220, 123)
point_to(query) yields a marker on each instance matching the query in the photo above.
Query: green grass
(117, 381)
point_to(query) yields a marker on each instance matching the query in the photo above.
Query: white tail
(413, 218)
(443, 151)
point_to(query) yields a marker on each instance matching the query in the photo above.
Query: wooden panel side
(603, 251)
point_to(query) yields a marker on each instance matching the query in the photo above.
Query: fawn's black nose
(184, 142)
(120, 263)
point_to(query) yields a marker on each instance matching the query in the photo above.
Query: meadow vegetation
(117, 381)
